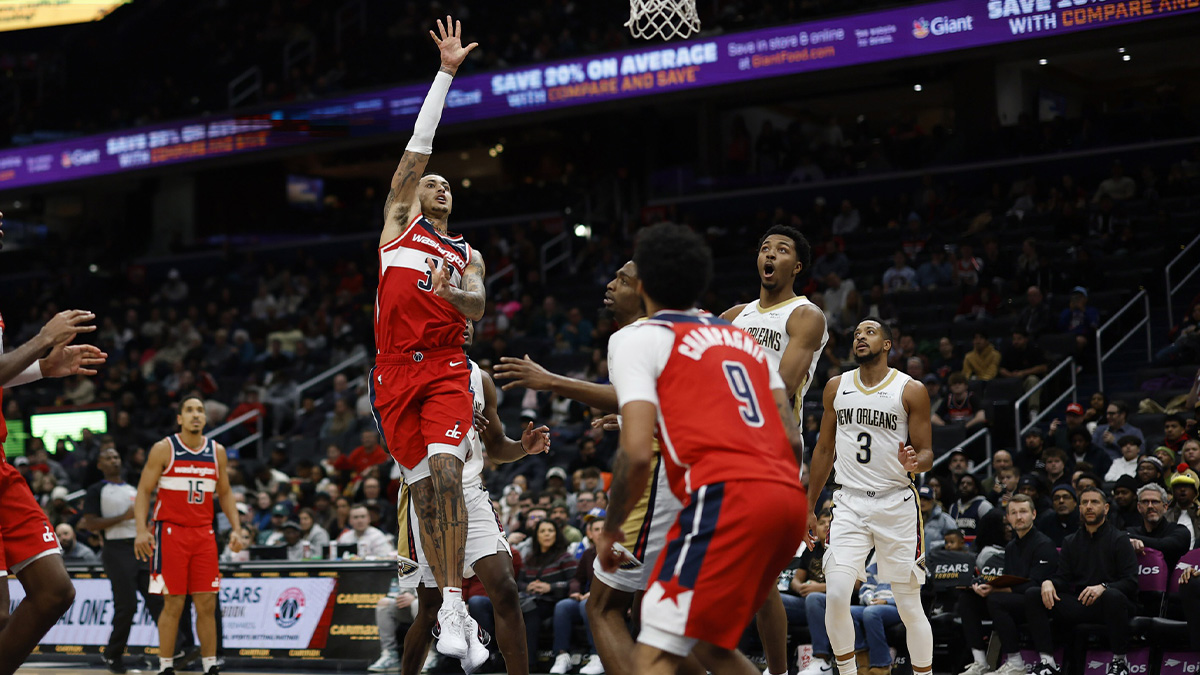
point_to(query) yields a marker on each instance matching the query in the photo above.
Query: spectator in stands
(982, 362)
(578, 332)
(1153, 530)
(1096, 582)
(933, 387)
(1184, 508)
(561, 516)
(1081, 321)
(1063, 520)
(1189, 591)
(960, 406)
(947, 360)
(372, 542)
(1117, 187)
(1082, 450)
(1056, 461)
(396, 609)
(1059, 432)
(967, 266)
(1024, 360)
(978, 303)
(1034, 318)
(544, 580)
(873, 616)
(1175, 433)
(1126, 464)
(1124, 512)
(808, 583)
(958, 465)
(73, 550)
(971, 506)
(847, 220)
(274, 527)
(1001, 459)
(312, 531)
(955, 540)
(585, 501)
(1185, 341)
(840, 295)
(1108, 436)
(1190, 454)
(936, 272)
(832, 260)
(1150, 470)
(572, 610)
(1029, 459)
(1031, 486)
(523, 538)
(937, 522)
(1007, 483)
(899, 277)
(1030, 555)
(587, 456)
(298, 548)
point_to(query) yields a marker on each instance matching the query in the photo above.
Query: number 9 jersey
(712, 385)
(872, 424)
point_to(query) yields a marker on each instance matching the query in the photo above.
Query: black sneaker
(1044, 668)
(186, 657)
(167, 671)
(217, 671)
(1118, 667)
(115, 665)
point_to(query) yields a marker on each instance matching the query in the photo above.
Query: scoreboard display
(25, 14)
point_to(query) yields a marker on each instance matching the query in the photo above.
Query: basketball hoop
(663, 18)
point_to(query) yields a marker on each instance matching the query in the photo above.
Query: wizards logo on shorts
(289, 608)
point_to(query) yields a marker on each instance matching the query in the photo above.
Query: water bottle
(333, 549)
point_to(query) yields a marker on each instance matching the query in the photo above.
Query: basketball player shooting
(876, 432)
(791, 331)
(430, 283)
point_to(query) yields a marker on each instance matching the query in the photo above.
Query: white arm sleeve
(431, 113)
(639, 354)
(31, 374)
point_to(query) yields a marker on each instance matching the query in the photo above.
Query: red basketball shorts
(185, 560)
(422, 405)
(722, 556)
(25, 532)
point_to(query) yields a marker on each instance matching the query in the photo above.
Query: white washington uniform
(485, 534)
(768, 327)
(876, 505)
(650, 519)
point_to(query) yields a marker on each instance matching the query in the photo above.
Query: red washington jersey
(408, 315)
(186, 488)
(3, 423)
(717, 419)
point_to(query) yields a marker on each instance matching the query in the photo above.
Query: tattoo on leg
(439, 503)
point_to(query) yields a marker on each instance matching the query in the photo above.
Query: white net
(663, 18)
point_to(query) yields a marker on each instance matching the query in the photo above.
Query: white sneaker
(562, 664)
(977, 669)
(818, 667)
(477, 642)
(388, 662)
(593, 667)
(1010, 669)
(449, 631)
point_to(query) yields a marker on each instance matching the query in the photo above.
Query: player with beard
(614, 593)
(487, 553)
(876, 432)
(791, 331)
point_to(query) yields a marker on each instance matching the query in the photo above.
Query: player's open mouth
(608, 301)
(768, 270)
(441, 199)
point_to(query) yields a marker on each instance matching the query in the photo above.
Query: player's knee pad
(916, 623)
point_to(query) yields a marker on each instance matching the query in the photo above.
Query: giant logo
(942, 25)
(80, 158)
(289, 607)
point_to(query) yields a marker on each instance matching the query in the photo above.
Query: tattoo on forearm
(438, 501)
(472, 297)
(404, 179)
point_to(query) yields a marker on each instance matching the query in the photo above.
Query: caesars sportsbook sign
(886, 35)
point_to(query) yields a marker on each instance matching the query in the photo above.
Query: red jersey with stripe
(187, 486)
(3, 423)
(408, 315)
(712, 384)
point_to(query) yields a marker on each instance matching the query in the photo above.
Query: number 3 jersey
(871, 426)
(409, 316)
(717, 419)
(187, 486)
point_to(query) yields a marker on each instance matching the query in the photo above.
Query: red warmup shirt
(408, 315)
(362, 459)
(712, 386)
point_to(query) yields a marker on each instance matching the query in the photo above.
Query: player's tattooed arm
(471, 296)
(920, 430)
(402, 197)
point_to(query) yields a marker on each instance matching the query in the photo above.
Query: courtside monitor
(50, 427)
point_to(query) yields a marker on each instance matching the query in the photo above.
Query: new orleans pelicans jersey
(473, 468)
(871, 426)
(187, 486)
(408, 315)
(768, 327)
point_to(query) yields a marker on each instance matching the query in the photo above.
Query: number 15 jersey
(187, 486)
(871, 426)
(717, 419)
